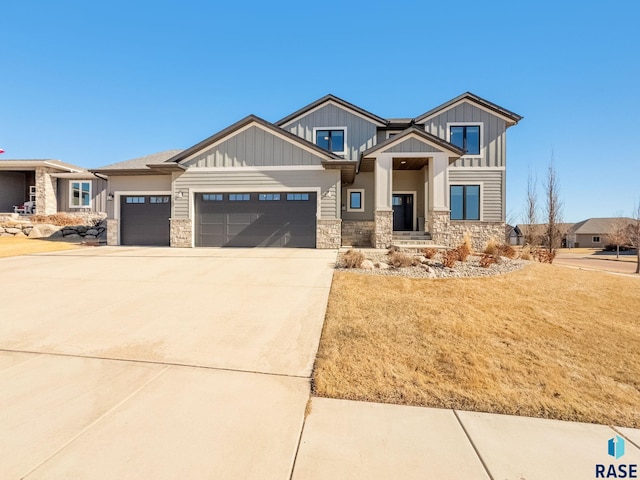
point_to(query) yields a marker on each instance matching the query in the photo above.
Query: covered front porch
(410, 188)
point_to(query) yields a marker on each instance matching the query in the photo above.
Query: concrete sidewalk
(354, 440)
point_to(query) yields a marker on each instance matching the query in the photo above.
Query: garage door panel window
(269, 197)
(134, 200)
(239, 197)
(161, 199)
(212, 197)
(296, 197)
(80, 195)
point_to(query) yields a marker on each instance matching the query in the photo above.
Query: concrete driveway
(157, 363)
(256, 310)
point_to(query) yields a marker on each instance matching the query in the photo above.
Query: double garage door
(279, 219)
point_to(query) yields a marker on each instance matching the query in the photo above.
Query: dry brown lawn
(12, 246)
(544, 341)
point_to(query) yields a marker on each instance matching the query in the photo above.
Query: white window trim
(355, 190)
(481, 184)
(415, 206)
(344, 129)
(468, 124)
(71, 182)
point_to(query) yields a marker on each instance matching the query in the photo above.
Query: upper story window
(80, 194)
(465, 202)
(332, 139)
(466, 137)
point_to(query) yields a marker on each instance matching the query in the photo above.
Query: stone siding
(358, 233)
(481, 233)
(383, 234)
(438, 222)
(46, 190)
(180, 235)
(328, 233)
(112, 231)
(94, 230)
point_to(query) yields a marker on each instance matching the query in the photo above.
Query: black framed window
(332, 140)
(239, 197)
(465, 202)
(212, 197)
(355, 200)
(298, 196)
(269, 197)
(466, 137)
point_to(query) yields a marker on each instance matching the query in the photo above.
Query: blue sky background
(93, 83)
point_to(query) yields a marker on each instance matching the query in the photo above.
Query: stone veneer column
(439, 227)
(112, 231)
(46, 187)
(328, 233)
(180, 235)
(383, 234)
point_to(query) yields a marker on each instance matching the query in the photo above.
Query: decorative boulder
(40, 230)
(367, 265)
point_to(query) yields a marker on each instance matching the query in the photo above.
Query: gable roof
(597, 226)
(382, 122)
(414, 131)
(510, 117)
(301, 142)
(32, 163)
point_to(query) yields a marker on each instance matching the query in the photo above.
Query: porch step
(412, 243)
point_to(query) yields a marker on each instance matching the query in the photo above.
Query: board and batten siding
(491, 191)
(411, 145)
(494, 134)
(252, 180)
(98, 195)
(361, 134)
(253, 147)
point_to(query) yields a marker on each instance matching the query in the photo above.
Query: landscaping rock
(40, 230)
(383, 266)
(6, 235)
(27, 230)
(421, 259)
(73, 236)
(12, 230)
(92, 231)
(90, 237)
(1, 230)
(81, 229)
(367, 265)
(20, 235)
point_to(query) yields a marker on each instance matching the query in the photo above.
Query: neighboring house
(537, 230)
(592, 233)
(329, 174)
(513, 235)
(49, 186)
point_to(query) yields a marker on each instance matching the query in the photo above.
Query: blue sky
(93, 83)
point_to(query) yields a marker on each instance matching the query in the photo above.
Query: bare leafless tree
(553, 208)
(618, 233)
(531, 236)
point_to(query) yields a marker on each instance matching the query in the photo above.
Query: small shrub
(525, 254)
(487, 260)
(392, 249)
(353, 258)
(449, 258)
(402, 259)
(463, 251)
(491, 248)
(429, 252)
(505, 250)
(466, 240)
(543, 255)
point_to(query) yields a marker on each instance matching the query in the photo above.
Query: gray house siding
(494, 134)
(411, 145)
(364, 180)
(251, 180)
(490, 191)
(253, 147)
(361, 134)
(136, 183)
(98, 195)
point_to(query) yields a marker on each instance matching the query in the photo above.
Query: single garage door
(144, 219)
(256, 219)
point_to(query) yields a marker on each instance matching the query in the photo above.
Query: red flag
(1, 150)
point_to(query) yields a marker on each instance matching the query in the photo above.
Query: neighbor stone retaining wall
(328, 234)
(358, 233)
(11, 225)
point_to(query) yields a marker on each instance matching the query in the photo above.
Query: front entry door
(402, 212)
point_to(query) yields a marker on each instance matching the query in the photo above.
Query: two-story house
(329, 174)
